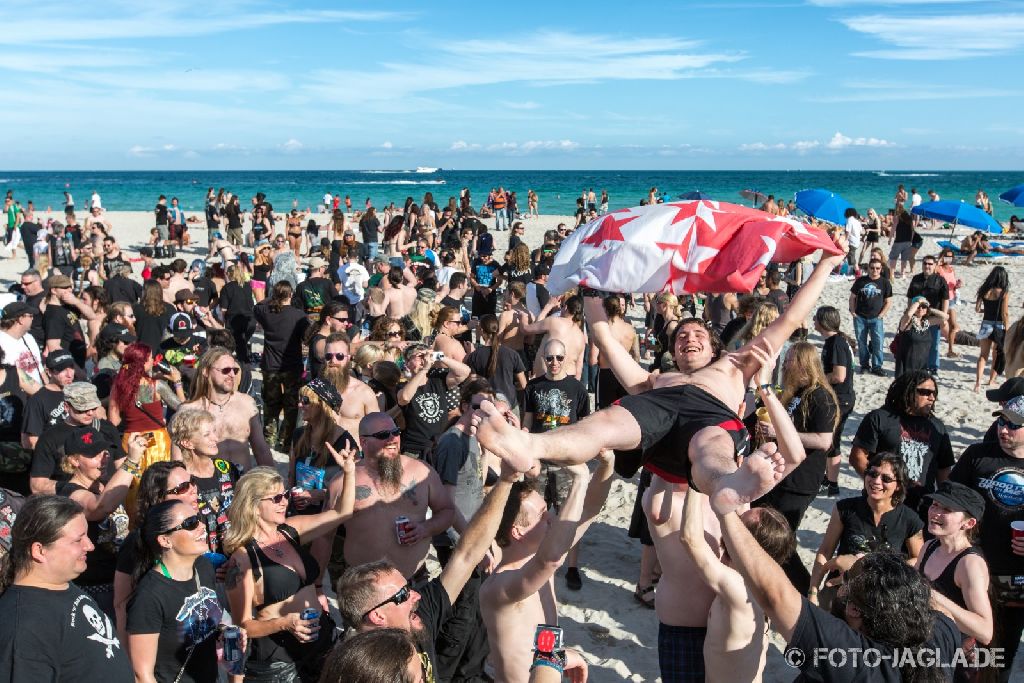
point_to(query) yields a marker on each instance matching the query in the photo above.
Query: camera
(161, 366)
(436, 356)
(548, 639)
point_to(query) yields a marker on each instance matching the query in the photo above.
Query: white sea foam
(397, 182)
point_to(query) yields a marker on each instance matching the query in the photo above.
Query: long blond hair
(764, 315)
(244, 513)
(804, 375)
(201, 380)
(319, 425)
(422, 316)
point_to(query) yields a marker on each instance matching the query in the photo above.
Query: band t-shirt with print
(555, 402)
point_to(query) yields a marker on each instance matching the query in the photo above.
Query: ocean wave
(883, 174)
(397, 182)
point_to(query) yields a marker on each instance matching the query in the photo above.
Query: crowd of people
(430, 401)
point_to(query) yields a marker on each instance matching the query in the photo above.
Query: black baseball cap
(1009, 389)
(958, 497)
(118, 332)
(59, 360)
(16, 309)
(85, 441)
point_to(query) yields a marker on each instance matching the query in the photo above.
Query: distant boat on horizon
(427, 169)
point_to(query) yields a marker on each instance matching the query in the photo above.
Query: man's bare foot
(499, 437)
(757, 475)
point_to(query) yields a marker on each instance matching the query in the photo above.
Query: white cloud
(292, 145)
(840, 141)
(525, 106)
(890, 3)
(941, 37)
(387, 144)
(462, 146)
(805, 145)
(517, 148)
(761, 147)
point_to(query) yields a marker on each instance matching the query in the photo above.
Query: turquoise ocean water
(558, 190)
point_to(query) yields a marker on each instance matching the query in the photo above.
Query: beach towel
(946, 244)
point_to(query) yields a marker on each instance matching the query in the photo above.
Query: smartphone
(150, 439)
(548, 639)
(436, 356)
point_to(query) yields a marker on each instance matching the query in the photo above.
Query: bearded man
(357, 399)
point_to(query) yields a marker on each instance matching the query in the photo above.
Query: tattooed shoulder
(234, 573)
(363, 492)
(410, 492)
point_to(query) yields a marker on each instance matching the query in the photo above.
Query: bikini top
(281, 582)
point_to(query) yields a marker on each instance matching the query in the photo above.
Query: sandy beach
(619, 636)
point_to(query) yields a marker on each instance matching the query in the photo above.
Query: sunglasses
(343, 320)
(926, 392)
(234, 370)
(279, 498)
(187, 524)
(304, 400)
(383, 435)
(875, 474)
(335, 356)
(188, 301)
(394, 334)
(1003, 422)
(403, 594)
(552, 359)
(183, 487)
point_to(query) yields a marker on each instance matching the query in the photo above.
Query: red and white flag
(681, 247)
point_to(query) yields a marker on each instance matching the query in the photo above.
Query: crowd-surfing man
(359, 427)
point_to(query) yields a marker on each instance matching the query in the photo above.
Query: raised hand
(346, 458)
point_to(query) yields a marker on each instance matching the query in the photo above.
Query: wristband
(131, 468)
(556, 660)
(767, 387)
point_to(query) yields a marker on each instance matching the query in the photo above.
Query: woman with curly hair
(517, 266)
(390, 333)
(271, 577)
(136, 406)
(152, 313)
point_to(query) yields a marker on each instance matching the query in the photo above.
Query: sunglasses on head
(926, 392)
(1003, 422)
(403, 594)
(187, 524)
(552, 359)
(875, 474)
(335, 356)
(279, 498)
(183, 487)
(233, 370)
(383, 435)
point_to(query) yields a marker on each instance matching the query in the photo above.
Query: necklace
(271, 546)
(220, 406)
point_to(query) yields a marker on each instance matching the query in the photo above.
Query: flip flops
(645, 596)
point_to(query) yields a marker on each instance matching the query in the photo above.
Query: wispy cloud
(836, 143)
(888, 3)
(524, 106)
(941, 37)
(840, 141)
(903, 91)
(516, 148)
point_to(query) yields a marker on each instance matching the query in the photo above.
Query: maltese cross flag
(681, 247)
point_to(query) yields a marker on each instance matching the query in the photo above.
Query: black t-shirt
(818, 632)
(509, 365)
(58, 635)
(922, 442)
(999, 478)
(12, 406)
(732, 328)
(49, 449)
(36, 330)
(175, 351)
(812, 412)
(204, 290)
(932, 287)
(236, 299)
(836, 351)
(111, 264)
(120, 288)
(313, 294)
(434, 609)
(862, 535)
(513, 275)
(43, 410)
(232, 213)
(150, 328)
(283, 332)
(871, 295)
(555, 402)
(161, 214)
(779, 298)
(904, 228)
(427, 412)
(61, 322)
(368, 229)
(186, 614)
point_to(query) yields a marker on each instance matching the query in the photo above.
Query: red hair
(133, 368)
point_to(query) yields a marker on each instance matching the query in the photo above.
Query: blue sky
(237, 84)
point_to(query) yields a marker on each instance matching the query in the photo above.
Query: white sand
(619, 636)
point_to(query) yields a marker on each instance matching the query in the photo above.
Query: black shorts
(608, 388)
(669, 417)
(638, 526)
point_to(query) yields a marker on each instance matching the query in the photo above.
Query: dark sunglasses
(335, 356)
(188, 301)
(383, 435)
(926, 392)
(279, 498)
(187, 524)
(342, 320)
(1003, 422)
(304, 400)
(394, 334)
(183, 487)
(875, 474)
(403, 594)
(234, 370)
(551, 359)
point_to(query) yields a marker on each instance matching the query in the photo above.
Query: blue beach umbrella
(824, 205)
(1014, 196)
(959, 213)
(695, 195)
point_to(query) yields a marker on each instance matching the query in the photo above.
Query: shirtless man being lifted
(399, 294)
(239, 428)
(686, 424)
(357, 399)
(567, 328)
(390, 485)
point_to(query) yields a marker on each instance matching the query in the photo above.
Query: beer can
(234, 657)
(402, 528)
(310, 613)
